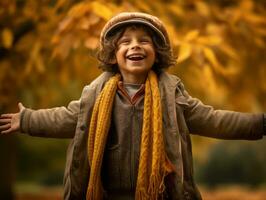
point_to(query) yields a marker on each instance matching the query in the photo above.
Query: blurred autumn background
(47, 55)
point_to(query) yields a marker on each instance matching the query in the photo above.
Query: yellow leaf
(210, 56)
(214, 29)
(35, 60)
(59, 4)
(79, 10)
(102, 10)
(246, 5)
(92, 42)
(143, 6)
(184, 52)
(255, 19)
(39, 64)
(191, 35)
(202, 8)
(175, 9)
(55, 39)
(67, 24)
(225, 71)
(216, 92)
(209, 40)
(7, 38)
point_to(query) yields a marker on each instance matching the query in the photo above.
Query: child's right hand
(10, 123)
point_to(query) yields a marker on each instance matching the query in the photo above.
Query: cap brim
(113, 28)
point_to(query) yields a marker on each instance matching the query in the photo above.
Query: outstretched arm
(58, 122)
(206, 121)
(10, 123)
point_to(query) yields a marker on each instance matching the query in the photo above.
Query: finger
(20, 106)
(5, 120)
(5, 127)
(8, 115)
(6, 131)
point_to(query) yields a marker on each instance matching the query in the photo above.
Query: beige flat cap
(126, 18)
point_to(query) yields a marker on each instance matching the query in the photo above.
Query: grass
(33, 192)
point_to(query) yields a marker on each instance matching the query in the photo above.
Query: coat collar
(166, 81)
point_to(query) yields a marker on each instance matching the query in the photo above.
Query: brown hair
(106, 54)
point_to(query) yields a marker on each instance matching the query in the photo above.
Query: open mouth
(136, 57)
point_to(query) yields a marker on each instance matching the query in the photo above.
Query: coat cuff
(25, 120)
(264, 124)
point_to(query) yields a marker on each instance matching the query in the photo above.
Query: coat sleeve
(204, 120)
(58, 122)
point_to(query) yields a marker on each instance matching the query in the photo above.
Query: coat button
(83, 127)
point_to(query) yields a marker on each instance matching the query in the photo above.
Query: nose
(134, 44)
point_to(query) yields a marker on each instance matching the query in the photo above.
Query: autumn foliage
(48, 47)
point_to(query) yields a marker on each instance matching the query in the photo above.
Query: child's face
(135, 54)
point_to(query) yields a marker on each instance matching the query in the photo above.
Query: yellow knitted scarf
(153, 163)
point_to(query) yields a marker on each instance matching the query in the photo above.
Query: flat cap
(126, 18)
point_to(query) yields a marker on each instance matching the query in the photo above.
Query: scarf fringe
(157, 184)
(141, 194)
(154, 189)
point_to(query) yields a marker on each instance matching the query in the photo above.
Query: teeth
(136, 57)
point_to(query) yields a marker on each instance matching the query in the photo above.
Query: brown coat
(182, 115)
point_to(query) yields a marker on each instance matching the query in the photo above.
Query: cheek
(152, 50)
(120, 52)
(118, 56)
(153, 53)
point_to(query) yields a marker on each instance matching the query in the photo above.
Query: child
(131, 127)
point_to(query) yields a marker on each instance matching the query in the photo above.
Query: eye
(145, 40)
(124, 41)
